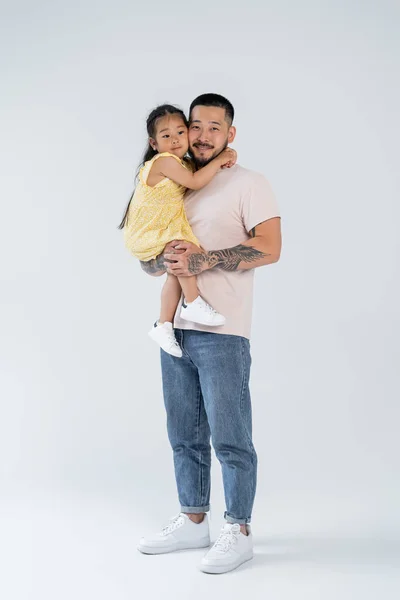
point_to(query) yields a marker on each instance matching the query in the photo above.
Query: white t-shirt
(221, 214)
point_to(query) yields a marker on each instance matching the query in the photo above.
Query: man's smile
(203, 146)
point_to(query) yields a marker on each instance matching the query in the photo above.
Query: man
(206, 392)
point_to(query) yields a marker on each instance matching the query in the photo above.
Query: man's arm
(155, 267)
(263, 248)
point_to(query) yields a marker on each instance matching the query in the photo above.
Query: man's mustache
(203, 145)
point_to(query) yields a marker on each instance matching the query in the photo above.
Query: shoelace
(174, 524)
(172, 340)
(209, 309)
(227, 539)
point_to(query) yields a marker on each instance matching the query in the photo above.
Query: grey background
(85, 462)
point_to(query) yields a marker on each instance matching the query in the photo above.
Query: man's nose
(203, 139)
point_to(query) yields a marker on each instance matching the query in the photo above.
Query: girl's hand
(228, 158)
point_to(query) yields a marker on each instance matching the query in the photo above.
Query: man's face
(209, 133)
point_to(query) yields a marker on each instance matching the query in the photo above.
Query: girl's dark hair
(151, 125)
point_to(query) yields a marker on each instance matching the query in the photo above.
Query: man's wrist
(198, 262)
(206, 262)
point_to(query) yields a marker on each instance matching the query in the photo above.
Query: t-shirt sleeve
(258, 203)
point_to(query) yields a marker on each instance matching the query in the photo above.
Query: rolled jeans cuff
(230, 519)
(195, 510)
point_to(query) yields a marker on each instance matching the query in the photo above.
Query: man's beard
(202, 162)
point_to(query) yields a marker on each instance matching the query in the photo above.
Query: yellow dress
(156, 215)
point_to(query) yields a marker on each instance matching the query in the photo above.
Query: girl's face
(171, 136)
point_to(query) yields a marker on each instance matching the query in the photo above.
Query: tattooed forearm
(151, 267)
(228, 260)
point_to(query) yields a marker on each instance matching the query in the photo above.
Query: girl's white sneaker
(199, 311)
(165, 337)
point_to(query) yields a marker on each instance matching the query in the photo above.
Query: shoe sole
(218, 570)
(165, 350)
(182, 315)
(179, 546)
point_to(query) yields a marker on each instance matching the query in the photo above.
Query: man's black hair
(214, 100)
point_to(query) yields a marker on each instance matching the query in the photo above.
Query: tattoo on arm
(153, 266)
(228, 260)
(196, 261)
(252, 232)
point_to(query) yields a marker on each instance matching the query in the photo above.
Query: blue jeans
(206, 394)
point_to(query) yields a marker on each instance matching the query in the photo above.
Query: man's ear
(231, 134)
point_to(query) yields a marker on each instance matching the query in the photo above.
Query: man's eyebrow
(198, 121)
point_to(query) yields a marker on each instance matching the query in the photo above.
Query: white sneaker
(202, 313)
(180, 534)
(165, 337)
(231, 549)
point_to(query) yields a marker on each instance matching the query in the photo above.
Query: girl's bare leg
(189, 287)
(170, 295)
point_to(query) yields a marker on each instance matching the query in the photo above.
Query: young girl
(155, 216)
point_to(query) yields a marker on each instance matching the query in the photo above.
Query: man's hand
(172, 248)
(184, 259)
